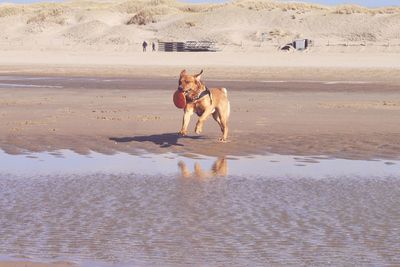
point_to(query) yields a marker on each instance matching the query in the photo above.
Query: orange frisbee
(179, 99)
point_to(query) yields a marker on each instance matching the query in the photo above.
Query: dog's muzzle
(180, 88)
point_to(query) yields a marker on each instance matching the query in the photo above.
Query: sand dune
(239, 25)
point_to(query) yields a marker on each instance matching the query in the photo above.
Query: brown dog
(204, 102)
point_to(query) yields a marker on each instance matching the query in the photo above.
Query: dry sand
(250, 66)
(94, 37)
(241, 25)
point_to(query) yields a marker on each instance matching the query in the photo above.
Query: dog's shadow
(163, 140)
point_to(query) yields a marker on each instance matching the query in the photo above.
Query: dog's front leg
(186, 119)
(184, 169)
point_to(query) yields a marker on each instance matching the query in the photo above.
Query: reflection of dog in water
(219, 168)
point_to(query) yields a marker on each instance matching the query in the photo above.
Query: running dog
(204, 102)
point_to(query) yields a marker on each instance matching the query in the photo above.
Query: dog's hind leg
(224, 112)
(216, 117)
(202, 118)
(224, 122)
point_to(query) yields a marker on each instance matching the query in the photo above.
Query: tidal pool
(175, 210)
(253, 166)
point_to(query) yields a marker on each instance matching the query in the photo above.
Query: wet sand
(120, 210)
(34, 264)
(146, 220)
(345, 119)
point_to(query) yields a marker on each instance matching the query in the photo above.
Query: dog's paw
(198, 129)
(183, 133)
(222, 140)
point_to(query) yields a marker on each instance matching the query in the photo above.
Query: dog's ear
(183, 72)
(198, 76)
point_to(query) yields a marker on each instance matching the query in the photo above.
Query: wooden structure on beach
(301, 44)
(189, 46)
(298, 44)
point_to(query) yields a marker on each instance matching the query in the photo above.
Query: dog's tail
(225, 91)
(229, 108)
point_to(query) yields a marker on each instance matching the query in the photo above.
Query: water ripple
(167, 220)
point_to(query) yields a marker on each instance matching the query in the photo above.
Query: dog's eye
(187, 81)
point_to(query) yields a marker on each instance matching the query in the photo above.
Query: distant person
(153, 45)
(144, 46)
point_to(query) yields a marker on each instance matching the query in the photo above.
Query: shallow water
(171, 210)
(170, 164)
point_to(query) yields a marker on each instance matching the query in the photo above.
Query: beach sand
(251, 66)
(107, 115)
(72, 76)
(34, 264)
(338, 98)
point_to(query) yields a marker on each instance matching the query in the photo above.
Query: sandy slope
(241, 25)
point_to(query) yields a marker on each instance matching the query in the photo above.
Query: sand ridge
(240, 25)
